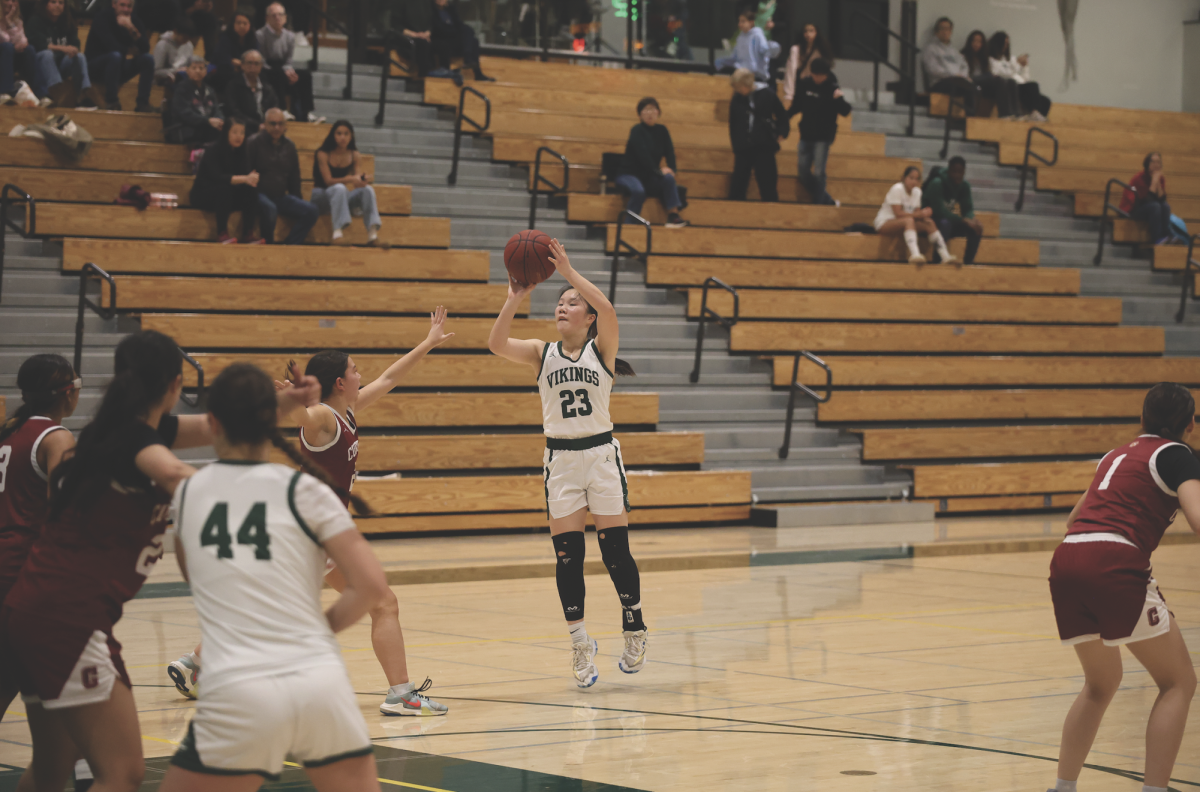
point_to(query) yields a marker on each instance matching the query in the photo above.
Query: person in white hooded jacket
(1003, 64)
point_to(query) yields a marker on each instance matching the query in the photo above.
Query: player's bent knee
(386, 608)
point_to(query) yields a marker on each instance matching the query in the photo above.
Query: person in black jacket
(640, 173)
(820, 99)
(757, 122)
(117, 31)
(232, 43)
(412, 23)
(196, 115)
(248, 96)
(452, 39)
(226, 184)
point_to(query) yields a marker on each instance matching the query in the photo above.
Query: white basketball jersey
(574, 392)
(251, 535)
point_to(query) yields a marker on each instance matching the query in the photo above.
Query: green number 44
(253, 531)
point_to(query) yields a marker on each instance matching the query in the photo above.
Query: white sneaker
(583, 663)
(185, 675)
(288, 116)
(412, 701)
(373, 235)
(916, 258)
(836, 202)
(5, 99)
(314, 118)
(45, 101)
(634, 656)
(337, 234)
(947, 257)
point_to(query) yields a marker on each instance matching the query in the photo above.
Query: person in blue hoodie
(752, 51)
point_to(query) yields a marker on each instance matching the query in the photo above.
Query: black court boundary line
(824, 732)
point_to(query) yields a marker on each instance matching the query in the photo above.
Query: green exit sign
(621, 9)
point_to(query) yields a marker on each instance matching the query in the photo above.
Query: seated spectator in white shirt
(901, 214)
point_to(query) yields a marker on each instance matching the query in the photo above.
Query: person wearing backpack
(948, 194)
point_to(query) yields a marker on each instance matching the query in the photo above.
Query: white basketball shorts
(594, 477)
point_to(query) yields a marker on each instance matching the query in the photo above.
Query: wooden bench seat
(851, 371)
(881, 276)
(1090, 116)
(885, 306)
(479, 452)
(975, 405)
(111, 220)
(809, 244)
(436, 371)
(1171, 258)
(138, 127)
(1097, 137)
(296, 261)
(591, 79)
(1098, 159)
(851, 192)
(966, 442)
(742, 214)
(171, 293)
(1091, 204)
(242, 331)
(110, 155)
(1067, 180)
(1008, 478)
(944, 338)
(94, 186)
(417, 410)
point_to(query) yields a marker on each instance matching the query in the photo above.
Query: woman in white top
(1003, 64)
(252, 539)
(808, 47)
(582, 463)
(901, 213)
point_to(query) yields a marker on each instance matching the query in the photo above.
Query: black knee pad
(622, 569)
(569, 550)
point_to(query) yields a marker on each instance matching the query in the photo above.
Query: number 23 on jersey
(568, 398)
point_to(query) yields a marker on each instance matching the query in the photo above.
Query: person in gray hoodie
(945, 67)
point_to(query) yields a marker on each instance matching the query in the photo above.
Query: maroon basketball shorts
(58, 665)
(1102, 589)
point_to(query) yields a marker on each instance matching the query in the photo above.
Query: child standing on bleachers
(820, 100)
(757, 122)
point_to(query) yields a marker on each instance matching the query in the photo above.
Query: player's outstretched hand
(437, 330)
(558, 256)
(300, 392)
(518, 291)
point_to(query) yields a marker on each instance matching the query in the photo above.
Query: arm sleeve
(895, 195)
(73, 37)
(161, 63)
(182, 109)
(290, 50)
(101, 38)
(143, 41)
(294, 174)
(789, 74)
(780, 116)
(669, 153)
(967, 204)
(320, 509)
(1177, 464)
(168, 429)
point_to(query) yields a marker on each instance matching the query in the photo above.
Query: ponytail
(1167, 410)
(620, 367)
(327, 366)
(316, 471)
(44, 381)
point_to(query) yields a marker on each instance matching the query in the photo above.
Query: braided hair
(242, 398)
(45, 382)
(621, 368)
(1167, 410)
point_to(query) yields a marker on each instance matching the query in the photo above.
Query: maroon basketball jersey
(1128, 497)
(339, 456)
(23, 484)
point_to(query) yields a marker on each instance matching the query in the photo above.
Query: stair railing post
(707, 314)
(795, 386)
(1029, 152)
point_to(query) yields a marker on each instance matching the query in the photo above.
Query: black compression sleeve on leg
(614, 548)
(568, 572)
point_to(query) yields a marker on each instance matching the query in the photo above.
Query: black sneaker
(675, 221)
(144, 107)
(86, 102)
(113, 105)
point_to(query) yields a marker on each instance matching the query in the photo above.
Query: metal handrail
(1189, 278)
(538, 179)
(545, 53)
(1104, 216)
(797, 385)
(390, 38)
(452, 179)
(86, 273)
(619, 243)
(954, 100)
(707, 314)
(28, 230)
(1029, 152)
(312, 62)
(878, 59)
(191, 361)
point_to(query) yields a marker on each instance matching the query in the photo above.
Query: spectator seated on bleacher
(200, 14)
(15, 50)
(278, 45)
(225, 184)
(116, 31)
(946, 69)
(54, 38)
(948, 194)
(248, 96)
(649, 145)
(809, 46)
(752, 50)
(1003, 64)
(196, 117)
(757, 122)
(173, 51)
(902, 213)
(413, 21)
(273, 156)
(453, 39)
(820, 100)
(233, 42)
(1002, 91)
(341, 187)
(1147, 199)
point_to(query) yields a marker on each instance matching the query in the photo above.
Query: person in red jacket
(1146, 200)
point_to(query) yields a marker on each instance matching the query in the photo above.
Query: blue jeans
(1157, 216)
(10, 60)
(114, 70)
(637, 193)
(51, 68)
(813, 156)
(338, 200)
(302, 213)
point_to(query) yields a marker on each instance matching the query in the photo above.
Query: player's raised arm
(396, 372)
(518, 350)
(608, 334)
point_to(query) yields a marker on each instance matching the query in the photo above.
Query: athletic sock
(939, 241)
(193, 658)
(1146, 788)
(578, 633)
(910, 239)
(401, 689)
(1062, 785)
(82, 770)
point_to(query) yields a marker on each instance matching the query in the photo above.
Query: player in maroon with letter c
(1105, 595)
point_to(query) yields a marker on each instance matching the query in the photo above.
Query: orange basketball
(527, 257)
